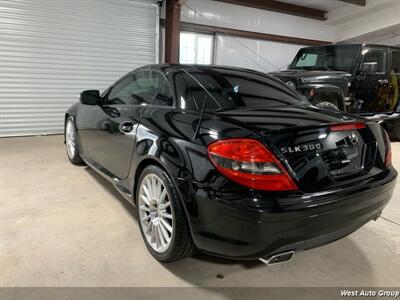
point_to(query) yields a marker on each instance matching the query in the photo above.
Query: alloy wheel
(155, 213)
(70, 139)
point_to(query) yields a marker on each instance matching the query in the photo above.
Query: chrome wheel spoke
(155, 213)
(145, 200)
(166, 215)
(166, 225)
(146, 218)
(153, 187)
(163, 206)
(144, 207)
(158, 191)
(164, 232)
(148, 228)
(153, 233)
(147, 192)
(157, 235)
(163, 194)
(161, 236)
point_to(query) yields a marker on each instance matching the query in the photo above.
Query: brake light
(346, 127)
(388, 148)
(250, 163)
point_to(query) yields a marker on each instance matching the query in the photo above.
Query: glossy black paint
(352, 89)
(225, 218)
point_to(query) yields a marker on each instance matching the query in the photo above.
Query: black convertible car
(230, 162)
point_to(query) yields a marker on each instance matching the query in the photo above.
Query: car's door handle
(126, 127)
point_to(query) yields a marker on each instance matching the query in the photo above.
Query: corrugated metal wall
(51, 50)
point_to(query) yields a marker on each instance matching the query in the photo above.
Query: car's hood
(310, 76)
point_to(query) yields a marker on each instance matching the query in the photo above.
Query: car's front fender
(313, 91)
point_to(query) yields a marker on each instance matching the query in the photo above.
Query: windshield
(328, 58)
(230, 89)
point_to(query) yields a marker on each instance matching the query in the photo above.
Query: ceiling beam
(281, 7)
(356, 2)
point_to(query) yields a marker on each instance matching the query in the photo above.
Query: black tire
(327, 106)
(74, 158)
(181, 245)
(393, 128)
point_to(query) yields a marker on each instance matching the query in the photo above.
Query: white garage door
(51, 50)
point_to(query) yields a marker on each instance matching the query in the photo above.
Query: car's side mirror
(90, 97)
(369, 67)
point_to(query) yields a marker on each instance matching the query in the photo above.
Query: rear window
(231, 89)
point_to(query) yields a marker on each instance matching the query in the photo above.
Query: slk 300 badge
(301, 148)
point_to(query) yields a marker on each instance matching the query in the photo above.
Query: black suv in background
(363, 79)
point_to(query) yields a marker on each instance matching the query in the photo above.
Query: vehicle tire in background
(161, 216)
(327, 105)
(393, 128)
(71, 142)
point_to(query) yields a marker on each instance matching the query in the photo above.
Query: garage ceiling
(52, 50)
(326, 5)
(313, 9)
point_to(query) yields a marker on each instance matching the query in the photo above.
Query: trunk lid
(317, 150)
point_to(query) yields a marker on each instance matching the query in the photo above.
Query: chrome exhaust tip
(278, 258)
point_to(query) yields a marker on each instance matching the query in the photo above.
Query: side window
(190, 95)
(141, 88)
(119, 94)
(395, 68)
(164, 94)
(394, 79)
(378, 57)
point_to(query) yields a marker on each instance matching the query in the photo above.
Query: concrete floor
(62, 225)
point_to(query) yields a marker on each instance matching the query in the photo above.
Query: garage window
(196, 48)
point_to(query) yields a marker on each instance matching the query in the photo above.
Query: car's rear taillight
(250, 163)
(388, 148)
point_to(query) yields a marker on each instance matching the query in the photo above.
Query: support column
(172, 30)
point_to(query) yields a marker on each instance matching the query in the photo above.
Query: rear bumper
(253, 225)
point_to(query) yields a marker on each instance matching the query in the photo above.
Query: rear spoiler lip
(380, 117)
